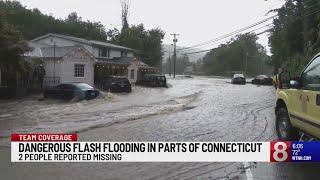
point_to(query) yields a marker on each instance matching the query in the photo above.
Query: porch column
(135, 75)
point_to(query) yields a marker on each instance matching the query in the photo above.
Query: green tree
(295, 36)
(32, 23)
(12, 46)
(147, 42)
(242, 53)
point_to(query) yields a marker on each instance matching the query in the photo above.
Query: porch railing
(49, 82)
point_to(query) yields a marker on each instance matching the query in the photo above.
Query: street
(192, 109)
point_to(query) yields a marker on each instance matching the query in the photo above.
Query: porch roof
(124, 61)
(121, 61)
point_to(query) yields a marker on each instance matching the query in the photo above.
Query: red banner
(280, 151)
(44, 137)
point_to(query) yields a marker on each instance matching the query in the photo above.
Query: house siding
(67, 75)
(65, 68)
(49, 67)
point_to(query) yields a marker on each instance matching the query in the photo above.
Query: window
(132, 74)
(103, 52)
(79, 70)
(61, 86)
(124, 54)
(65, 87)
(311, 76)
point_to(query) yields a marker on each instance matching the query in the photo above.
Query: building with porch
(72, 59)
(65, 64)
(123, 66)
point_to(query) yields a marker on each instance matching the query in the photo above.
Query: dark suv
(117, 84)
(238, 79)
(153, 80)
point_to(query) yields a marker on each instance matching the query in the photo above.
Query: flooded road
(193, 109)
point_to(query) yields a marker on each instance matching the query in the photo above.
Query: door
(67, 91)
(293, 95)
(70, 91)
(310, 97)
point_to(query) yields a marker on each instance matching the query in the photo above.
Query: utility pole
(175, 40)
(54, 63)
(170, 59)
(262, 62)
(246, 66)
(170, 62)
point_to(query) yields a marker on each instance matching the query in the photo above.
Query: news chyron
(66, 148)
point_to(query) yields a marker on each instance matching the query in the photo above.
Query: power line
(235, 35)
(207, 50)
(232, 33)
(236, 32)
(260, 32)
(224, 40)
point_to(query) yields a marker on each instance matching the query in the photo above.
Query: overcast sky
(195, 20)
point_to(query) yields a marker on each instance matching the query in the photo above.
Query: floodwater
(193, 109)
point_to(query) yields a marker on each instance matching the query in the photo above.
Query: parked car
(69, 91)
(238, 79)
(117, 84)
(188, 76)
(153, 80)
(262, 80)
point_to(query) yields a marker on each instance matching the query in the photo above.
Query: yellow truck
(298, 103)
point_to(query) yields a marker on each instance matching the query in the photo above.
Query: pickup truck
(298, 103)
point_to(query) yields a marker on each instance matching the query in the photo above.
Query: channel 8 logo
(280, 151)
